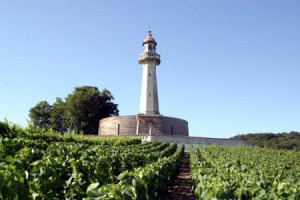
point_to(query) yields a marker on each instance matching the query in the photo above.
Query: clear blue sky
(227, 67)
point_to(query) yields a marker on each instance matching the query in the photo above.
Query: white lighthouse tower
(149, 59)
(149, 119)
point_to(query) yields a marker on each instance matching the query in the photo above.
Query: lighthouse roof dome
(149, 39)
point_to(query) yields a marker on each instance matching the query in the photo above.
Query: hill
(272, 140)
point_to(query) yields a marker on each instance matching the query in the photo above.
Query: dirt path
(182, 188)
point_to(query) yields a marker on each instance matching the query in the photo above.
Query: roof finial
(149, 30)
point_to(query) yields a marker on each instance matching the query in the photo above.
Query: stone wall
(174, 126)
(126, 125)
(149, 124)
(119, 125)
(194, 140)
(187, 141)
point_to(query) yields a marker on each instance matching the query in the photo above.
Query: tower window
(149, 94)
(149, 74)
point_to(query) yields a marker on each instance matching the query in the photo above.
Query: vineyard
(47, 165)
(245, 173)
(51, 166)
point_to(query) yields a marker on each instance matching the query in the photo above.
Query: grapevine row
(64, 169)
(245, 173)
(144, 183)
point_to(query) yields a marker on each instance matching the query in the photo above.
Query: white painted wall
(149, 95)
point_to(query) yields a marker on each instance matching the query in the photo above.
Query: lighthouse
(149, 124)
(149, 120)
(149, 59)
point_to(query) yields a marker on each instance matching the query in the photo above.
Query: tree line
(80, 112)
(271, 140)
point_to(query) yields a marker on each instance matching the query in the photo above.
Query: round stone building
(149, 121)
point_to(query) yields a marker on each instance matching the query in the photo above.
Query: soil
(182, 188)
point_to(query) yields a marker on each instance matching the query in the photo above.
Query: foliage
(40, 114)
(9, 130)
(86, 106)
(148, 182)
(4, 129)
(240, 172)
(57, 116)
(79, 113)
(49, 165)
(277, 141)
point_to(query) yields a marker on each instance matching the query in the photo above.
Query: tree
(4, 129)
(81, 111)
(57, 118)
(271, 140)
(40, 115)
(86, 106)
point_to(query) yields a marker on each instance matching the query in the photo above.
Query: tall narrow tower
(149, 121)
(149, 59)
